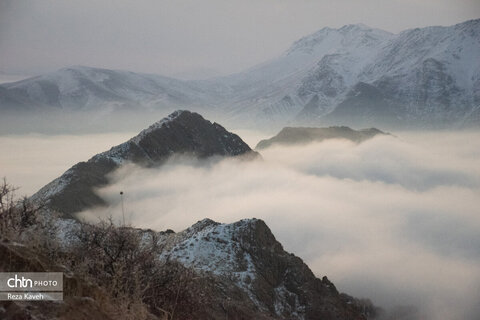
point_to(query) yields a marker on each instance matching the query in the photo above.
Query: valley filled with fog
(395, 218)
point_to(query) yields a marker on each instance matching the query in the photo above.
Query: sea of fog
(395, 219)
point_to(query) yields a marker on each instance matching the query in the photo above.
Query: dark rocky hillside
(182, 132)
(245, 257)
(303, 135)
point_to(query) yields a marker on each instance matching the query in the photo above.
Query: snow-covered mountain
(421, 77)
(320, 67)
(82, 88)
(354, 75)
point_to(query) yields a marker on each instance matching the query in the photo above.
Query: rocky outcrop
(303, 135)
(224, 271)
(253, 271)
(182, 132)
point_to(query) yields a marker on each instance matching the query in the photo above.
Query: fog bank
(393, 219)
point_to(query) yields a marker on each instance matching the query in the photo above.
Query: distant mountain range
(354, 75)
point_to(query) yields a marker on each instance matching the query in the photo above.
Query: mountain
(82, 88)
(302, 135)
(321, 66)
(425, 77)
(356, 75)
(364, 105)
(255, 274)
(182, 132)
(208, 271)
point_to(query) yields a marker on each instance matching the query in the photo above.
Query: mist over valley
(244, 160)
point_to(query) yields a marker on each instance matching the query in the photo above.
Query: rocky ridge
(303, 135)
(181, 133)
(245, 256)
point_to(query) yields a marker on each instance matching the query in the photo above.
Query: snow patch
(211, 247)
(157, 125)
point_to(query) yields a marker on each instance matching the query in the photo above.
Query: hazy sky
(190, 37)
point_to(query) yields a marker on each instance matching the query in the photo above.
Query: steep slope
(182, 132)
(424, 78)
(245, 255)
(303, 135)
(323, 64)
(366, 105)
(430, 76)
(434, 72)
(209, 271)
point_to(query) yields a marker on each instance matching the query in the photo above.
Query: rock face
(245, 257)
(303, 135)
(182, 132)
(243, 269)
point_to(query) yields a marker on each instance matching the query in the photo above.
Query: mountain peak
(355, 26)
(163, 122)
(246, 255)
(327, 38)
(182, 132)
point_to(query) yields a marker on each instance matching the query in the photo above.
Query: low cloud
(393, 219)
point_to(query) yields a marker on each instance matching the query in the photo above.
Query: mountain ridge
(303, 135)
(431, 73)
(246, 255)
(182, 132)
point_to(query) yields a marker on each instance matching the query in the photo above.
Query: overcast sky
(190, 38)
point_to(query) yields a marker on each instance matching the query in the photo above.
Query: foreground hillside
(209, 271)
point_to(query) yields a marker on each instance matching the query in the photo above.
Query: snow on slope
(261, 91)
(85, 88)
(247, 255)
(116, 154)
(222, 250)
(433, 73)
(208, 246)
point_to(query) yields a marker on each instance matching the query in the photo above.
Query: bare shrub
(16, 215)
(125, 261)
